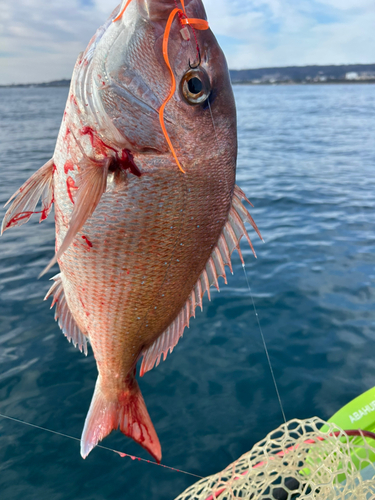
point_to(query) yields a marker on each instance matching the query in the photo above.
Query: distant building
(352, 75)
(367, 75)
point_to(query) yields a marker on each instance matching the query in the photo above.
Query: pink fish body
(146, 220)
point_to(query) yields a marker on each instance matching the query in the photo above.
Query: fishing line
(252, 299)
(98, 446)
(213, 123)
(265, 346)
(201, 25)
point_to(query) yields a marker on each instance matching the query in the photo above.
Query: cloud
(290, 32)
(41, 40)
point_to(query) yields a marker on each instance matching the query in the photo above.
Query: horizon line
(230, 69)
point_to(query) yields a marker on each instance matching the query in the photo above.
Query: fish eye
(195, 86)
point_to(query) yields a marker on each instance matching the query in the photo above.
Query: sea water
(307, 162)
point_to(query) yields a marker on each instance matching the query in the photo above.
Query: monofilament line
(99, 446)
(265, 346)
(213, 123)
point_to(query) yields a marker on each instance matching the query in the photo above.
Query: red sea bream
(146, 209)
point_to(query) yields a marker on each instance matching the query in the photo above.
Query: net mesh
(302, 459)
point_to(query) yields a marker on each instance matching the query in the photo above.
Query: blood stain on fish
(70, 184)
(45, 211)
(127, 163)
(18, 217)
(69, 165)
(96, 142)
(74, 101)
(87, 241)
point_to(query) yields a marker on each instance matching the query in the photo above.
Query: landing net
(302, 459)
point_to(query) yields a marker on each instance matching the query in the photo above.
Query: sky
(41, 39)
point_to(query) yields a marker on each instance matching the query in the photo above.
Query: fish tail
(111, 409)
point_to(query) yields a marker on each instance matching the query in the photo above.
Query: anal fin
(229, 240)
(65, 319)
(25, 199)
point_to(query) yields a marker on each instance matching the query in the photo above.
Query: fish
(147, 212)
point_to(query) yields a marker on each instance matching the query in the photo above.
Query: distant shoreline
(257, 84)
(331, 82)
(288, 75)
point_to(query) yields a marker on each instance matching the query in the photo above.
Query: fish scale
(140, 259)
(139, 240)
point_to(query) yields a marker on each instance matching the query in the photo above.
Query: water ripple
(306, 161)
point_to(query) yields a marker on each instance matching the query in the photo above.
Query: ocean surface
(307, 162)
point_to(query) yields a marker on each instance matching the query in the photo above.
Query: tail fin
(126, 410)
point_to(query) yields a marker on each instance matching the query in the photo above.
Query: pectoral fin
(91, 184)
(229, 241)
(26, 198)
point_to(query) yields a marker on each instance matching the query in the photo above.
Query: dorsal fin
(65, 319)
(27, 196)
(229, 241)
